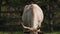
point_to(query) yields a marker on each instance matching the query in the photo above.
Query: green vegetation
(21, 33)
(9, 33)
(53, 33)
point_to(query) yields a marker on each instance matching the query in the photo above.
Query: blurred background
(12, 10)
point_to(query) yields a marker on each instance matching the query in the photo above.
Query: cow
(32, 18)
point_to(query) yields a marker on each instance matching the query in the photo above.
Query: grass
(21, 33)
(52, 32)
(9, 33)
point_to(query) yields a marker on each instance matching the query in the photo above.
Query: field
(21, 33)
(9, 33)
(53, 33)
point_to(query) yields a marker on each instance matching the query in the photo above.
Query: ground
(21, 33)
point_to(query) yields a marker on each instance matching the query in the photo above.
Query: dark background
(12, 10)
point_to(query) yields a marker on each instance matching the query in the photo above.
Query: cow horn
(25, 27)
(32, 29)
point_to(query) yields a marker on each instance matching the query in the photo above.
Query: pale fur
(33, 16)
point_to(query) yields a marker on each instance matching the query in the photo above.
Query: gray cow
(32, 18)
